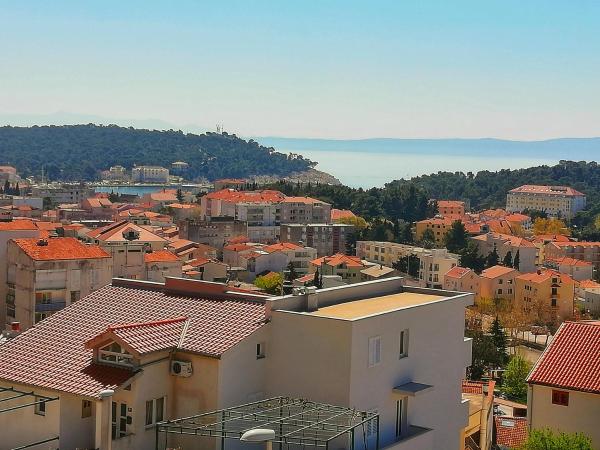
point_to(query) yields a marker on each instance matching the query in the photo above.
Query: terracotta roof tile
(233, 196)
(497, 271)
(589, 284)
(59, 249)
(457, 272)
(160, 256)
(546, 190)
(572, 360)
(337, 214)
(63, 363)
(18, 225)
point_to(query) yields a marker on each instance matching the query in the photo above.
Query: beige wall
(582, 415)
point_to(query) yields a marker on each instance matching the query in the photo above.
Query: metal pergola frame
(38, 399)
(295, 422)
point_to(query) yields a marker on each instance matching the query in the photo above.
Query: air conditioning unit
(181, 368)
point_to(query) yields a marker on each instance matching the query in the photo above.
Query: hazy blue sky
(343, 69)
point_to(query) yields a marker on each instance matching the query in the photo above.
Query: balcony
(415, 438)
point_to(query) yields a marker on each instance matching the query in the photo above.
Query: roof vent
(42, 242)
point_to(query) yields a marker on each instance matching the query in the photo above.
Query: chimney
(42, 243)
(14, 331)
(312, 299)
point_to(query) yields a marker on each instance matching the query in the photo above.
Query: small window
(86, 409)
(114, 353)
(553, 302)
(374, 351)
(40, 408)
(155, 411)
(560, 398)
(403, 344)
(260, 350)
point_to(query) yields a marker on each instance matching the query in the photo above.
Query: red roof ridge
(147, 324)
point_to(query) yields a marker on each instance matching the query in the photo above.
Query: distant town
(144, 310)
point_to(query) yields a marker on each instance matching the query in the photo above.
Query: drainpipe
(104, 420)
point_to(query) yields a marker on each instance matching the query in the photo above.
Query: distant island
(81, 152)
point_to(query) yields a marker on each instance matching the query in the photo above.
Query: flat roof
(357, 309)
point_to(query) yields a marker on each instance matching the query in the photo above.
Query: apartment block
(214, 231)
(45, 275)
(461, 279)
(560, 201)
(583, 251)
(505, 243)
(136, 353)
(305, 210)
(63, 193)
(578, 269)
(433, 265)
(547, 287)
(149, 174)
(451, 208)
(326, 238)
(498, 282)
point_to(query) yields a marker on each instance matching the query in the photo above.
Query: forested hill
(80, 152)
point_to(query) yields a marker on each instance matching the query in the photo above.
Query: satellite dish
(258, 435)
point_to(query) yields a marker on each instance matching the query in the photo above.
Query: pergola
(295, 422)
(26, 396)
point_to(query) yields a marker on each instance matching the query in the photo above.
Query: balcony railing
(47, 307)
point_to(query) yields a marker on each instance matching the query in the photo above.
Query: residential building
(498, 282)
(433, 265)
(541, 240)
(182, 211)
(348, 267)
(305, 210)
(438, 225)
(135, 353)
(461, 279)
(559, 201)
(207, 270)
(117, 173)
(223, 203)
(62, 193)
(45, 275)
(584, 251)
(578, 269)
(188, 250)
(564, 386)
(215, 231)
(161, 264)
(126, 243)
(452, 208)
(11, 230)
(298, 255)
(230, 183)
(10, 212)
(505, 243)
(341, 214)
(377, 272)
(326, 238)
(547, 288)
(478, 434)
(149, 174)
(98, 208)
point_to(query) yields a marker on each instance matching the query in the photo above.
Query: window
(403, 353)
(560, 398)
(86, 409)
(155, 411)
(40, 408)
(75, 295)
(372, 424)
(121, 419)
(401, 422)
(553, 302)
(499, 291)
(374, 351)
(260, 350)
(114, 353)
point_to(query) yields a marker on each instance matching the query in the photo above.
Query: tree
(470, 258)
(517, 261)
(358, 222)
(179, 195)
(456, 237)
(514, 385)
(17, 190)
(427, 238)
(317, 280)
(6, 189)
(549, 226)
(405, 235)
(270, 283)
(483, 353)
(507, 261)
(546, 439)
(408, 264)
(492, 258)
(499, 339)
(291, 274)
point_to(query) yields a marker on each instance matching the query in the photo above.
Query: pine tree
(499, 339)
(517, 261)
(457, 237)
(507, 261)
(17, 190)
(179, 195)
(492, 259)
(6, 187)
(291, 272)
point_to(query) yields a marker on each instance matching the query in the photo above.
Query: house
(45, 275)
(578, 269)
(587, 293)
(126, 243)
(139, 353)
(547, 288)
(182, 211)
(561, 201)
(452, 208)
(461, 279)
(564, 386)
(377, 272)
(498, 282)
(540, 242)
(215, 231)
(98, 208)
(298, 255)
(10, 212)
(326, 238)
(505, 243)
(188, 250)
(206, 269)
(438, 225)
(161, 264)
(348, 267)
(433, 265)
(584, 251)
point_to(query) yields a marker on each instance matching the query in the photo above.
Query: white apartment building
(135, 353)
(60, 193)
(560, 201)
(150, 174)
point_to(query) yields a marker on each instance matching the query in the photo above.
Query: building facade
(559, 201)
(149, 174)
(326, 238)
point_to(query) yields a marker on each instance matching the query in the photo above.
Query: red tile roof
(114, 233)
(59, 249)
(18, 225)
(63, 363)
(566, 261)
(589, 284)
(511, 432)
(457, 272)
(546, 190)
(281, 246)
(497, 271)
(338, 259)
(544, 274)
(233, 196)
(572, 360)
(450, 204)
(337, 214)
(302, 200)
(160, 256)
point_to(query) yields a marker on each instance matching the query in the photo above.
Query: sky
(302, 68)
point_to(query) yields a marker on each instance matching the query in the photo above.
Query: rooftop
(511, 432)
(497, 271)
(572, 360)
(14, 225)
(376, 305)
(60, 248)
(160, 256)
(546, 190)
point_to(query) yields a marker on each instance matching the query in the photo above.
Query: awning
(411, 388)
